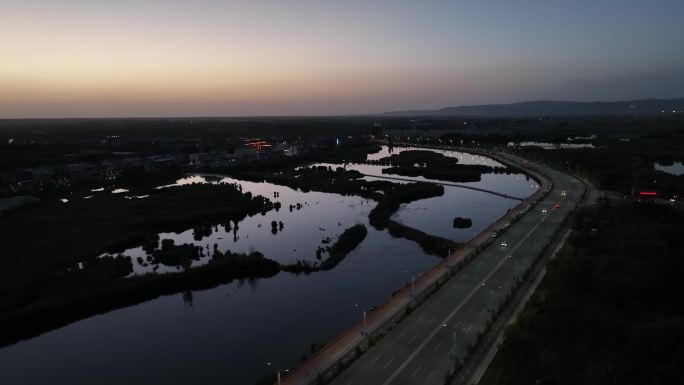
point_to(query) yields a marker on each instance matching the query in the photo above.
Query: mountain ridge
(554, 108)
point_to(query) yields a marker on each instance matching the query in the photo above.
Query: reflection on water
(463, 157)
(517, 184)
(306, 221)
(435, 215)
(676, 168)
(551, 146)
(228, 334)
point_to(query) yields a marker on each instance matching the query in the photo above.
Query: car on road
(504, 244)
(556, 206)
(544, 211)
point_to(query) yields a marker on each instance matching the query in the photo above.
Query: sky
(91, 58)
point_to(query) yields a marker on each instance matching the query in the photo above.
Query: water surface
(230, 334)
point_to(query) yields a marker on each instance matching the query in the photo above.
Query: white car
(504, 244)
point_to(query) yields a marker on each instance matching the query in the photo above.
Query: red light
(648, 193)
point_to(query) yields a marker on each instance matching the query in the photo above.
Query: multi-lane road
(422, 348)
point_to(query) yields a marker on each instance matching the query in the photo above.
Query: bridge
(446, 184)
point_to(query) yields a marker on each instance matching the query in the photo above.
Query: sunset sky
(73, 58)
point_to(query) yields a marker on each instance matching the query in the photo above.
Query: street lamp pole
(364, 333)
(286, 370)
(413, 286)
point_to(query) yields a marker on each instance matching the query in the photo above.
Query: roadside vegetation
(619, 165)
(610, 308)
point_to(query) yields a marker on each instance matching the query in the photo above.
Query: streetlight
(363, 331)
(280, 370)
(286, 370)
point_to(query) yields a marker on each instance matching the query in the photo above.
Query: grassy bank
(380, 216)
(347, 241)
(44, 243)
(436, 166)
(103, 296)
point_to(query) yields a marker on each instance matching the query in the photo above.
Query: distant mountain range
(554, 108)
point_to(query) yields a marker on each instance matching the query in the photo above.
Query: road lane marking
(468, 328)
(453, 312)
(402, 335)
(430, 376)
(375, 359)
(411, 340)
(415, 372)
(431, 319)
(388, 362)
(438, 345)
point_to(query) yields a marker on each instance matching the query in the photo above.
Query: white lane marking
(438, 345)
(421, 317)
(411, 340)
(415, 372)
(431, 319)
(402, 335)
(376, 358)
(468, 328)
(430, 376)
(388, 362)
(453, 312)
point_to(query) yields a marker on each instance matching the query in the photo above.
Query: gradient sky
(90, 58)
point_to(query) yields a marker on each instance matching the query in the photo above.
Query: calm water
(229, 334)
(552, 146)
(677, 168)
(314, 218)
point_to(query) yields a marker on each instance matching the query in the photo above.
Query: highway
(421, 349)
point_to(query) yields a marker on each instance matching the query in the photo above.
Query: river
(237, 332)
